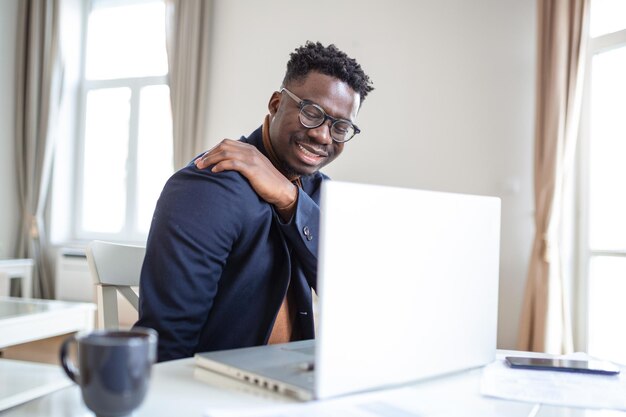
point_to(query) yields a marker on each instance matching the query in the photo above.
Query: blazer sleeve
(195, 224)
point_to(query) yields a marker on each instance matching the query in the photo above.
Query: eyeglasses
(312, 116)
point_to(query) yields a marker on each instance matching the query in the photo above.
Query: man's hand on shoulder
(267, 181)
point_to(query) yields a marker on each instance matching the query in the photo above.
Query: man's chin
(299, 172)
(291, 171)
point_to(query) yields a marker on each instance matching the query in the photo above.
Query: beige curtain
(188, 24)
(39, 76)
(545, 324)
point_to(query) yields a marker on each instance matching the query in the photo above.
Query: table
(23, 381)
(16, 269)
(25, 320)
(178, 388)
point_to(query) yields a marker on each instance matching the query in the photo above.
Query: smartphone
(591, 366)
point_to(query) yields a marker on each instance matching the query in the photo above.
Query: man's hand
(268, 182)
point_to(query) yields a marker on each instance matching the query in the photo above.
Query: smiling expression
(303, 151)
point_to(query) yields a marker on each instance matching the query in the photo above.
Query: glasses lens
(311, 116)
(342, 131)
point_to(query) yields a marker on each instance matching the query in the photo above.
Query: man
(232, 253)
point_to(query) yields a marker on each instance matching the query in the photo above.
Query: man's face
(303, 151)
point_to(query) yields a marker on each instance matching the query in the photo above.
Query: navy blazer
(219, 261)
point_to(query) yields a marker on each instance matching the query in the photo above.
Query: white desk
(16, 269)
(23, 381)
(25, 320)
(179, 389)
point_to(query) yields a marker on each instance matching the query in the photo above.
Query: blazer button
(307, 233)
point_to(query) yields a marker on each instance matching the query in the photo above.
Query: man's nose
(321, 134)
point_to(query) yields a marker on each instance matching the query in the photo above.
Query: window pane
(126, 41)
(607, 227)
(607, 16)
(106, 151)
(607, 290)
(154, 154)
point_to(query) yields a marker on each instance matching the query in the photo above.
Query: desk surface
(25, 320)
(23, 381)
(178, 388)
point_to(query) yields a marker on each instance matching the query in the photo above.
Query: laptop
(408, 290)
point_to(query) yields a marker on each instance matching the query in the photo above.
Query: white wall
(452, 109)
(8, 182)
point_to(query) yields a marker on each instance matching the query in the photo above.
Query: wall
(8, 184)
(452, 109)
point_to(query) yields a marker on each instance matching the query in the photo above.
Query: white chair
(5, 285)
(16, 269)
(114, 268)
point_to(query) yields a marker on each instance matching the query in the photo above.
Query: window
(603, 181)
(125, 151)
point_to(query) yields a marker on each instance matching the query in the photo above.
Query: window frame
(130, 232)
(596, 45)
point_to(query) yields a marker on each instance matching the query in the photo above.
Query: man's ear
(274, 103)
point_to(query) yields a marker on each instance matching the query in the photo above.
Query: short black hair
(327, 60)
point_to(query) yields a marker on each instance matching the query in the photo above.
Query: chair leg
(107, 307)
(5, 285)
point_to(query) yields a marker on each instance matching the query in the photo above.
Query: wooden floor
(45, 351)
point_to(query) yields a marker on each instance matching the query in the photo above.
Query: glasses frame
(302, 103)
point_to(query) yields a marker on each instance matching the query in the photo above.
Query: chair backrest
(114, 268)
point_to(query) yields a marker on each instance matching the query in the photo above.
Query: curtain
(187, 28)
(39, 75)
(562, 33)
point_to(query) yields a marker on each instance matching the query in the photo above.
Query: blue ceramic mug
(113, 368)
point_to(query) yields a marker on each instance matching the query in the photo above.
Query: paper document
(393, 403)
(555, 388)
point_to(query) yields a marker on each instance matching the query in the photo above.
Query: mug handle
(68, 366)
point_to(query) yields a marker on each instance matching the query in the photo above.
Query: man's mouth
(311, 154)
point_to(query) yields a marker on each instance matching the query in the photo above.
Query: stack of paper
(555, 388)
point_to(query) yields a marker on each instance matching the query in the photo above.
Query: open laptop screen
(408, 285)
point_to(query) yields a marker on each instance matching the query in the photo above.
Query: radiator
(72, 279)
(74, 283)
